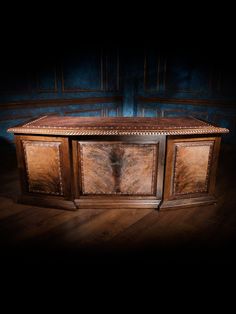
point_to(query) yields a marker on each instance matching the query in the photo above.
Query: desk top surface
(68, 125)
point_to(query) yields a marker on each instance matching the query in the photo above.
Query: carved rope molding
(74, 131)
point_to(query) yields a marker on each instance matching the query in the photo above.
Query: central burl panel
(118, 172)
(118, 168)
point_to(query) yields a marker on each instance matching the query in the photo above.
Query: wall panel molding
(112, 71)
(193, 91)
(163, 74)
(143, 110)
(219, 118)
(101, 111)
(113, 107)
(108, 71)
(59, 102)
(77, 88)
(146, 78)
(203, 115)
(15, 77)
(117, 109)
(41, 89)
(166, 112)
(188, 101)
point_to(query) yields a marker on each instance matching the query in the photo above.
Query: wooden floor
(203, 234)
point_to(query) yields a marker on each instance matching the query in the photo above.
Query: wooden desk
(74, 162)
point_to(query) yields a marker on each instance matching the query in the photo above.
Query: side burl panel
(44, 165)
(118, 168)
(192, 167)
(190, 170)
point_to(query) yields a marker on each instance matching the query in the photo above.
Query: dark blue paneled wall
(112, 81)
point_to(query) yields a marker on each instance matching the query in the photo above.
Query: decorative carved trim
(192, 144)
(49, 144)
(197, 127)
(76, 131)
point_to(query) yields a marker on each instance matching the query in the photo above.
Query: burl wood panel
(191, 169)
(118, 168)
(42, 161)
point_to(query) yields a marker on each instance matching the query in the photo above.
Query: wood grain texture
(118, 168)
(192, 165)
(43, 167)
